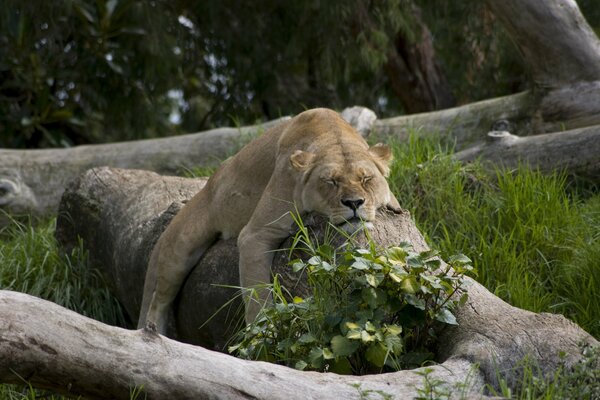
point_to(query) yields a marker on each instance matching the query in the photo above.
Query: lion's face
(346, 189)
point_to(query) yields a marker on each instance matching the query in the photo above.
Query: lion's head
(344, 185)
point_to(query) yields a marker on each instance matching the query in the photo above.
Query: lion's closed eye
(330, 181)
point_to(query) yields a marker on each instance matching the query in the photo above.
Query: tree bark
(575, 152)
(33, 181)
(414, 72)
(103, 207)
(555, 40)
(57, 349)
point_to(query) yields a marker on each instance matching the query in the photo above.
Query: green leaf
(409, 285)
(341, 366)
(429, 254)
(375, 279)
(326, 251)
(328, 354)
(444, 315)
(395, 277)
(326, 266)
(315, 260)
(366, 337)
(376, 355)
(394, 344)
(414, 261)
(374, 297)
(360, 264)
(316, 357)
(354, 334)
(352, 325)
(459, 259)
(307, 338)
(370, 327)
(298, 266)
(393, 329)
(300, 365)
(342, 346)
(396, 255)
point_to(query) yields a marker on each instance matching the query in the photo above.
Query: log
(576, 151)
(105, 207)
(528, 113)
(555, 40)
(57, 349)
(32, 181)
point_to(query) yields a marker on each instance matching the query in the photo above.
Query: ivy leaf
(342, 346)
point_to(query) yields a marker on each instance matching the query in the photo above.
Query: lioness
(313, 162)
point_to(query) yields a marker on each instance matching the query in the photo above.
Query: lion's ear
(301, 160)
(381, 152)
(383, 156)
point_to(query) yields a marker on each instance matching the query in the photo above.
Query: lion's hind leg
(174, 256)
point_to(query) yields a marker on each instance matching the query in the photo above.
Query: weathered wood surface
(490, 333)
(33, 181)
(555, 40)
(58, 349)
(576, 152)
(528, 113)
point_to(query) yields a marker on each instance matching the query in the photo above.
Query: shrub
(369, 309)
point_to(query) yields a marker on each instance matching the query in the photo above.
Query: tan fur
(314, 162)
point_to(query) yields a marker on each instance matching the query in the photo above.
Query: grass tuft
(533, 240)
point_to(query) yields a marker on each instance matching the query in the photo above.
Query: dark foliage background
(83, 71)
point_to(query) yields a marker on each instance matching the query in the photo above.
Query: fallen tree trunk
(104, 208)
(55, 348)
(576, 151)
(528, 113)
(32, 181)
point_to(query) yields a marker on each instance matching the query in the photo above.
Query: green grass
(31, 263)
(533, 239)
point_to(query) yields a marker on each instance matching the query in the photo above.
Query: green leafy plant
(369, 309)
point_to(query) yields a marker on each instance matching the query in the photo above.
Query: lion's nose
(353, 204)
